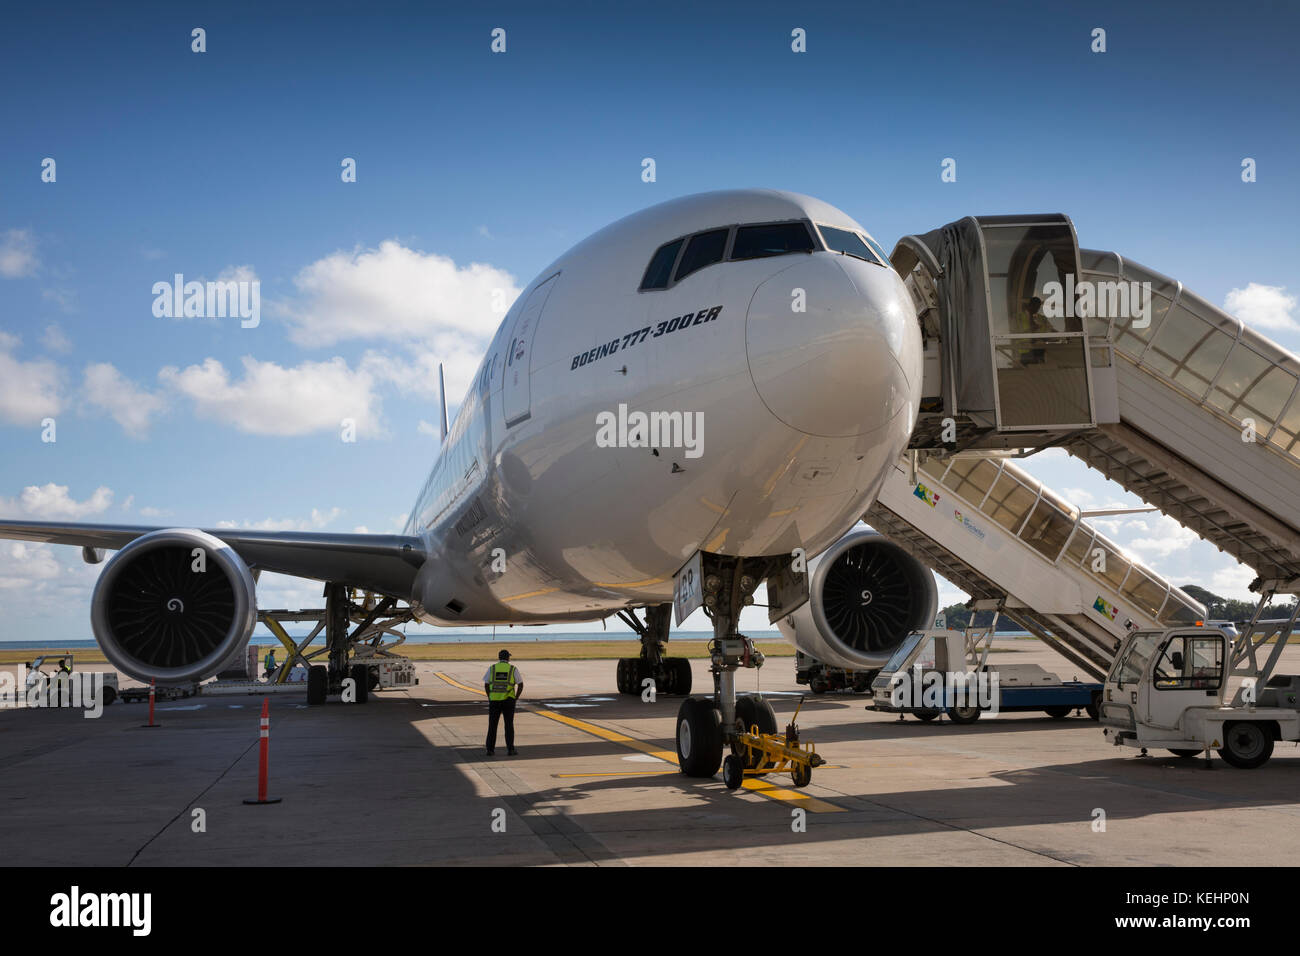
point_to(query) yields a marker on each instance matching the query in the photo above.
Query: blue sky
(475, 169)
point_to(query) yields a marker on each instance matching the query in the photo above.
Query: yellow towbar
(755, 754)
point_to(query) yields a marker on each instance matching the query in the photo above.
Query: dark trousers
(496, 710)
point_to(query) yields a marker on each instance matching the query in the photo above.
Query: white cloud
(424, 428)
(24, 565)
(1263, 307)
(319, 519)
(54, 339)
(417, 375)
(106, 389)
(1164, 536)
(395, 293)
(130, 500)
(151, 512)
(273, 400)
(17, 254)
(285, 591)
(1233, 582)
(29, 391)
(51, 502)
(237, 274)
(1079, 497)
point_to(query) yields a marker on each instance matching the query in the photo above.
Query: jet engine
(175, 605)
(865, 594)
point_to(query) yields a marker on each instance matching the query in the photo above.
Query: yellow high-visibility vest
(503, 682)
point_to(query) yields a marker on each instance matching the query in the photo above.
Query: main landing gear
(671, 675)
(373, 618)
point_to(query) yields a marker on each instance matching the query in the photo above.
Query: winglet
(442, 398)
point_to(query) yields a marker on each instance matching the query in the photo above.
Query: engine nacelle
(174, 605)
(865, 594)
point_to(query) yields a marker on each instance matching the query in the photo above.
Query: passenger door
(517, 388)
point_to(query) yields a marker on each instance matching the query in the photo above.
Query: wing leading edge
(386, 563)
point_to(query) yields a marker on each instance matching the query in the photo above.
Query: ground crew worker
(65, 665)
(1028, 320)
(503, 685)
(269, 663)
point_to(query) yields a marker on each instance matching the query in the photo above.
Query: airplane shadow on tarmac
(399, 782)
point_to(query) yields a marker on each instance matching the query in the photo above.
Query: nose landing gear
(746, 724)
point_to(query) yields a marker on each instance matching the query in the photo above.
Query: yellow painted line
(455, 683)
(752, 784)
(611, 735)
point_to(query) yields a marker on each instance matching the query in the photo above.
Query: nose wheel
(699, 737)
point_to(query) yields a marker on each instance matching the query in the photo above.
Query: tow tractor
(755, 754)
(37, 675)
(1019, 687)
(1172, 689)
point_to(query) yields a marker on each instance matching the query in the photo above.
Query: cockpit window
(879, 249)
(774, 239)
(704, 249)
(660, 269)
(849, 243)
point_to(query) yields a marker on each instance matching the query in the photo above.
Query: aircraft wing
(386, 563)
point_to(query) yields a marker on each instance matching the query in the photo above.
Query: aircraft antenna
(442, 400)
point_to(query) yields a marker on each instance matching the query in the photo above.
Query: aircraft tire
(360, 674)
(682, 667)
(317, 684)
(699, 738)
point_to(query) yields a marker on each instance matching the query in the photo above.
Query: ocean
(506, 636)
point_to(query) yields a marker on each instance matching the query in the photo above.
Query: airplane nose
(846, 364)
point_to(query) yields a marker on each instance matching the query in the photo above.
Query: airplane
(701, 397)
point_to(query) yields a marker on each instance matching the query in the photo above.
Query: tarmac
(404, 780)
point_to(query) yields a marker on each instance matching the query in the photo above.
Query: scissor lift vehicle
(1020, 687)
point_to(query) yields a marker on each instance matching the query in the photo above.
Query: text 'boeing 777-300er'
(689, 403)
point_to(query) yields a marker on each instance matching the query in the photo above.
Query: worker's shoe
(491, 751)
(511, 751)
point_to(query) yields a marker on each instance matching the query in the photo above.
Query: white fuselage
(532, 513)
